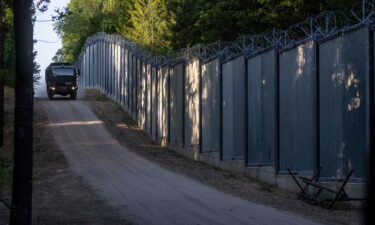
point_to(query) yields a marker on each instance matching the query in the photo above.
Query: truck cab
(61, 79)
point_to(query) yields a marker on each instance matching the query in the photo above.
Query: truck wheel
(73, 96)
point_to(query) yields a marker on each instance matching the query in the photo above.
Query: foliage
(150, 22)
(161, 25)
(8, 72)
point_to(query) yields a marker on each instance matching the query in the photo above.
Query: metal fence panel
(211, 106)
(113, 71)
(138, 90)
(110, 70)
(192, 73)
(90, 66)
(162, 114)
(344, 119)
(142, 95)
(109, 78)
(103, 65)
(298, 109)
(96, 64)
(176, 106)
(106, 63)
(135, 87)
(85, 66)
(130, 84)
(234, 127)
(154, 103)
(262, 108)
(125, 77)
(117, 73)
(148, 98)
(100, 65)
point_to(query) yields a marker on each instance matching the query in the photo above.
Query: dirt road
(140, 190)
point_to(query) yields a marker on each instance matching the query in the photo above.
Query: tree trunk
(370, 217)
(369, 210)
(23, 124)
(2, 54)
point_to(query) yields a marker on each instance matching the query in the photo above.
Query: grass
(100, 98)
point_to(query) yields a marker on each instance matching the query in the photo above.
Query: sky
(44, 31)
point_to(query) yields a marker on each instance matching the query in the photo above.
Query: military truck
(61, 79)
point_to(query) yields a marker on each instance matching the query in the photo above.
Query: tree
(3, 29)
(150, 24)
(23, 124)
(2, 52)
(370, 217)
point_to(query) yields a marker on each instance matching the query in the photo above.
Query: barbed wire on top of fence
(364, 11)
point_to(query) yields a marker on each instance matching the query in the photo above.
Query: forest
(164, 25)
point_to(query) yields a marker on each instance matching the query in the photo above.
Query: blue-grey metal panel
(102, 73)
(211, 106)
(234, 101)
(138, 73)
(87, 66)
(141, 94)
(261, 72)
(85, 74)
(154, 103)
(117, 74)
(107, 66)
(97, 64)
(130, 85)
(176, 105)
(99, 56)
(298, 123)
(192, 103)
(94, 72)
(125, 82)
(110, 70)
(344, 119)
(148, 98)
(90, 66)
(113, 89)
(135, 87)
(162, 114)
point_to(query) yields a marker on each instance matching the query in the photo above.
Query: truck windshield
(62, 72)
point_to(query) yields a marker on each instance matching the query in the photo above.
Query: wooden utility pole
(23, 124)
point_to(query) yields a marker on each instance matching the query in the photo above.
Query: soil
(59, 195)
(125, 130)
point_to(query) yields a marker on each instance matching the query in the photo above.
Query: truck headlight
(73, 88)
(53, 88)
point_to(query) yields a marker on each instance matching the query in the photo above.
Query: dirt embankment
(59, 195)
(125, 130)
